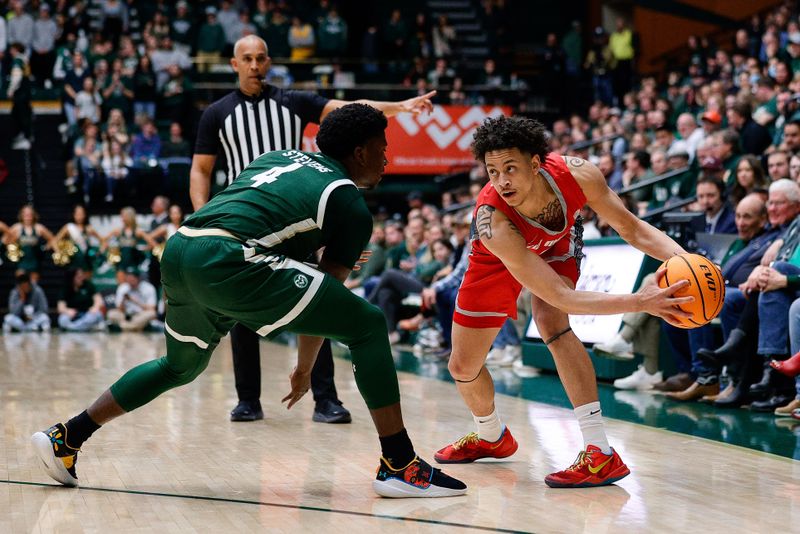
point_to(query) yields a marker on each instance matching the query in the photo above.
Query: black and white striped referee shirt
(243, 127)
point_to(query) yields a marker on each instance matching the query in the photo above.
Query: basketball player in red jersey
(527, 232)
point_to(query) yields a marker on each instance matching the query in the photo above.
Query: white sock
(590, 419)
(490, 427)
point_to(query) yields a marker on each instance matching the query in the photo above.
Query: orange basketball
(706, 285)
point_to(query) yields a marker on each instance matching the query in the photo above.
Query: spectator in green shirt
(210, 41)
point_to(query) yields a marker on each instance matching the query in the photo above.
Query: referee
(254, 119)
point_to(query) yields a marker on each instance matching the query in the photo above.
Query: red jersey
(538, 238)
(488, 293)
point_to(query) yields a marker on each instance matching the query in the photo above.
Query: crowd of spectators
(122, 67)
(123, 256)
(723, 130)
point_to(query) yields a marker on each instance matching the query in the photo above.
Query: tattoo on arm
(484, 221)
(575, 162)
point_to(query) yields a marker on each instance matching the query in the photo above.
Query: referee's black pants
(247, 367)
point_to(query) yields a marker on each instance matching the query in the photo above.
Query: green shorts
(212, 280)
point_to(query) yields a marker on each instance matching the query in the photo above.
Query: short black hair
(643, 157)
(348, 127)
(22, 278)
(528, 135)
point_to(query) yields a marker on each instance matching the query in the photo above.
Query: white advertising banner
(605, 269)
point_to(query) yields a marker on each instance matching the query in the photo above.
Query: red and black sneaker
(591, 468)
(58, 458)
(471, 448)
(417, 479)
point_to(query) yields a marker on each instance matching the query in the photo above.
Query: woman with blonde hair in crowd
(79, 231)
(32, 238)
(129, 240)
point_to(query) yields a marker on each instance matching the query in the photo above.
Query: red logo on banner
(432, 143)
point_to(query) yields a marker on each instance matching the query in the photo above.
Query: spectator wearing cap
(712, 166)
(135, 303)
(778, 165)
(43, 55)
(690, 133)
(210, 41)
(754, 138)
(711, 122)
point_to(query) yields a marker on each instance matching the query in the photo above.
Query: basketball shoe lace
(584, 458)
(470, 439)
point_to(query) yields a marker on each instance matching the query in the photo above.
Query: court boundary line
(268, 504)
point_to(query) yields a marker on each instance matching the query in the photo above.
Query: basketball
(705, 285)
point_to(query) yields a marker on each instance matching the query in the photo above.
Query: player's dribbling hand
(663, 302)
(301, 383)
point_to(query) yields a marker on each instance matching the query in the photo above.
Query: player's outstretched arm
(503, 239)
(415, 105)
(609, 206)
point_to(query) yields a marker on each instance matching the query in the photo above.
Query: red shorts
(488, 293)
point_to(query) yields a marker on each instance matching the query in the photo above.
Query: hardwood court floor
(179, 465)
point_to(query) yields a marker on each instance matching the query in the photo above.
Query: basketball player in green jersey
(239, 259)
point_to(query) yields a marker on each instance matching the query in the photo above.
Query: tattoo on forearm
(514, 228)
(484, 221)
(576, 162)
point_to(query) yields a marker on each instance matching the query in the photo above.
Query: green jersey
(292, 203)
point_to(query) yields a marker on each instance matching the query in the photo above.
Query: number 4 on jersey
(269, 176)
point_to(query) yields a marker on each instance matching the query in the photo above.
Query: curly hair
(528, 135)
(348, 127)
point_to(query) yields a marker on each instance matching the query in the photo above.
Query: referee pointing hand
(254, 119)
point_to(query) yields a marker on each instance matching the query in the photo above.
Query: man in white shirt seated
(135, 303)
